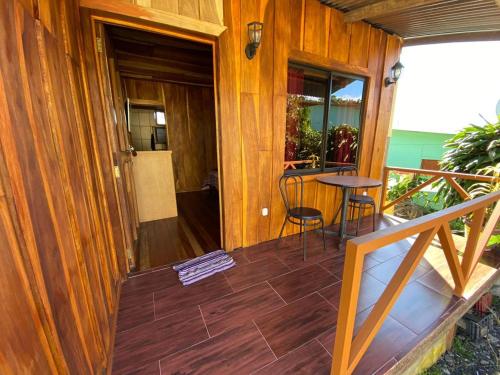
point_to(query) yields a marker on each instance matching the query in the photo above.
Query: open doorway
(165, 89)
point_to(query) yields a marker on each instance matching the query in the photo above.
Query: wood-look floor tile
(310, 359)
(148, 283)
(239, 256)
(335, 264)
(153, 368)
(178, 298)
(149, 342)
(301, 282)
(388, 341)
(292, 254)
(442, 284)
(390, 251)
(418, 307)
(386, 270)
(261, 251)
(293, 325)
(135, 311)
(386, 367)
(243, 276)
(240, 308)
(241, 350)
(370, 291)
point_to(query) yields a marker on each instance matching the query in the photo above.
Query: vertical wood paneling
(282, 33)
(229, 125)
(316, 27)
(296, 10)
(211, 11)
(340, 37)
(393, 49)
(298, 25)
(62, 281)
(166, 5)
(360, 39)
(189, 8)
(191, 133)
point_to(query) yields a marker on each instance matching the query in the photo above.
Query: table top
(349, 181)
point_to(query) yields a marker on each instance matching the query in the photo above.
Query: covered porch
(368, 305)
(276, 314)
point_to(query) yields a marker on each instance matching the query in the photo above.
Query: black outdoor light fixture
(395, 74)
(254, 35)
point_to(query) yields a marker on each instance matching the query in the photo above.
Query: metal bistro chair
(292, 191)
(357, 201)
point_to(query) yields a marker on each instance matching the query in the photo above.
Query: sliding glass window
(324, 119)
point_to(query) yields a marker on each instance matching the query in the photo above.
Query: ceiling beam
(482, 36)
(383, 8)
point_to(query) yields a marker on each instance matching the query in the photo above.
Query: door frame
(116, 20)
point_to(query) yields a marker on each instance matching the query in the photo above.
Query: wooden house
(118, 114)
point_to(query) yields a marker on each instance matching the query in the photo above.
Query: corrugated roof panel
(440, 18)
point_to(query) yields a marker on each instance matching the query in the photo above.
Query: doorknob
(131, 150)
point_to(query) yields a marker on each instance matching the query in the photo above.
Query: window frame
(326, 113)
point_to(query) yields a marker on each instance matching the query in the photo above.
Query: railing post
(385, 177)
(351, 282)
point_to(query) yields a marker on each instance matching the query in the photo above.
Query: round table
(346, 183)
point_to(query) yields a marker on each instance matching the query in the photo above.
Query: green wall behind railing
(408, 148)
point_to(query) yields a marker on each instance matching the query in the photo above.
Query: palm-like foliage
(475, 150)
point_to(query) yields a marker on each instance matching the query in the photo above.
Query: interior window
(324, 119)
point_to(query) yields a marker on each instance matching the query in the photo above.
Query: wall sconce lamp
(254, 35)
(395, 74)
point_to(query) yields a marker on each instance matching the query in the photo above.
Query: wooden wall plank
(296, 10)
(340, 37)
(316, 27)
(228, 71)
(360, 39)
(166, 5)
(211, 11)
(282, 33)
(191, 133)
(392, 52)
(189, 8)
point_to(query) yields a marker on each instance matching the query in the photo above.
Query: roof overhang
(427, 21)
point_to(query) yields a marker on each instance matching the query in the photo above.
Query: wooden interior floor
(195, 231)
(273, 313)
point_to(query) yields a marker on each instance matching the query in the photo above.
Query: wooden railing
(349, 350)
(450, 177)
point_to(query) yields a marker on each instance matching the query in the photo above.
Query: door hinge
(98, 41)
(117, 171)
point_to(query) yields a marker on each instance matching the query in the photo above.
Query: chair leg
(281, 231)
(373, 217)
(323, 230)
(305, 241)
(300, 232)
(359, 218)
(336, 214)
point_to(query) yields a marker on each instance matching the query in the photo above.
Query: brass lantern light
(395, 74)
(254, 36)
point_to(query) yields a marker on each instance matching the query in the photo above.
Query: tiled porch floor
(274, 313)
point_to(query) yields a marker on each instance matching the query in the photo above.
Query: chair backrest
(349, 170)
(292, 190)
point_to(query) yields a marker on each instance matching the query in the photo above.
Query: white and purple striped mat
(203, 266)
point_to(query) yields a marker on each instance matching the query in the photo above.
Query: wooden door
(119, 143)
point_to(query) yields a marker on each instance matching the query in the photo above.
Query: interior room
(167, 95)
